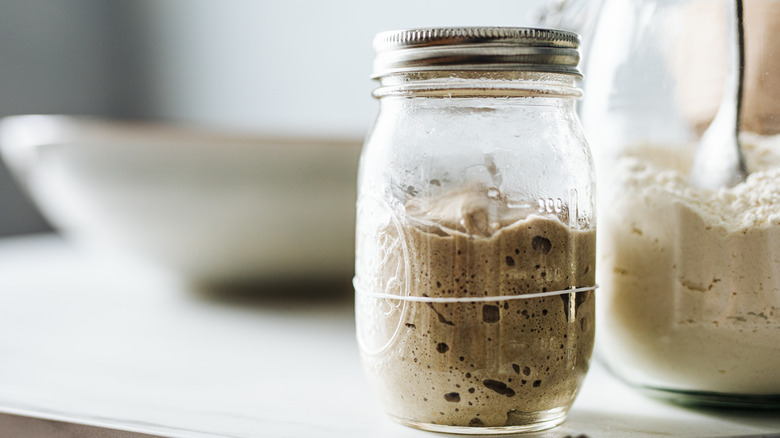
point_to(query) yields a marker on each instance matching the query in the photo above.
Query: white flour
(691, 278)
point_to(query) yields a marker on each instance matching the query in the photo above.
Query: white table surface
(119, 346)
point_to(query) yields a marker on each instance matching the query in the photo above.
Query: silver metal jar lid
(476, 49)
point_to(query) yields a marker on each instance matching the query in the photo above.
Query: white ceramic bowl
(213, 208)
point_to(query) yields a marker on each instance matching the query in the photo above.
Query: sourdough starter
(691, 277)
(487, 363)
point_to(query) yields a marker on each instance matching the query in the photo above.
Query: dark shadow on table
(767, 418)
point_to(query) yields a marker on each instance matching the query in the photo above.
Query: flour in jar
(476, 363)
(691, 277)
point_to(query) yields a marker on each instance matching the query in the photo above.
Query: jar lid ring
(477, 49)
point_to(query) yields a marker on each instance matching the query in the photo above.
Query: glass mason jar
(476, 230)
(690, 275)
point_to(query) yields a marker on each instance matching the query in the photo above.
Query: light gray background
(297, 66)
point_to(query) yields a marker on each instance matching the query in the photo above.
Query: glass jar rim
(488, 83)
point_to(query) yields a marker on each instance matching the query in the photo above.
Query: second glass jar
(690, 277)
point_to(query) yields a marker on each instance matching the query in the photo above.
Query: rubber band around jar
(477, 299)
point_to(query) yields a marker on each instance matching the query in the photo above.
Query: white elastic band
(475, 299)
